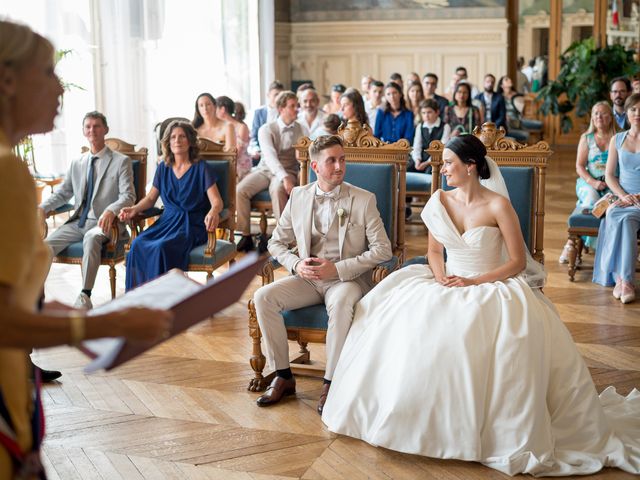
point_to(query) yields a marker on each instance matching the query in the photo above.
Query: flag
(615, 20)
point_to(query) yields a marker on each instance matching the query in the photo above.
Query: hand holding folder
(189, 301)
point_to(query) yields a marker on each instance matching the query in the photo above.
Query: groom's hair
(471, 151)
(322, 143)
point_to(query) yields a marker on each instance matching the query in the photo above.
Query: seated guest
(264, 114)
(209, 126)
(225, 111)
(617, 251)
(278, 169)
(396, 78)
(429, 87)
(495, 109)
(635, 84)
(325, 267)
(365, 83)
(101, 183)
(352, 107)
(192, 204)
(591, 163)
(30, 96)
(333, 106)
(431, 128)
(414, 98)
(376, 91)
(393, 120)
(329, 127)
(460, 75)
(413, 77)
(516, 125)
(310, 116)
(620, 89)
(461, 115)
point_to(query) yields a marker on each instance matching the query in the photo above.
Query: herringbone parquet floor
(182, 411)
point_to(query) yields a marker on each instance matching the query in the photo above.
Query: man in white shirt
(101, 182)
(310, 115)
(376, 90)
(278, 168)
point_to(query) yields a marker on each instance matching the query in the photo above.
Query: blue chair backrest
(520, 184)
(221, 169)
(378, 179)
(135, 165)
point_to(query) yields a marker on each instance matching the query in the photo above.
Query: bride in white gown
(469, 360)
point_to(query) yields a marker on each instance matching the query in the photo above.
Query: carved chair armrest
(270, 266)
(210, 249)
(381, 270)
(136, 224)
(115, 235)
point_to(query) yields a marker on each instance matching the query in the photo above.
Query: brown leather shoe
(279, 388)
(323, 397)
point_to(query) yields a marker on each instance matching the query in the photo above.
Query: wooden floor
(183, 411)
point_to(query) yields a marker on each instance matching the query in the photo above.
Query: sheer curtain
(139, 62)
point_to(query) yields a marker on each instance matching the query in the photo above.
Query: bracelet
(78, 324)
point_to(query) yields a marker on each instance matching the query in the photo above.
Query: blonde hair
(613, 128)
(19, 45)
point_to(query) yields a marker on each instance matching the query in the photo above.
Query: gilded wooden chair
(113, 252)
(217, 251)
(524, 170)
(374, 166)
(580, 224)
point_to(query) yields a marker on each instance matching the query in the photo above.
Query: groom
(340, 238)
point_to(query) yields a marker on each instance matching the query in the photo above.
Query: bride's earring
(469, 173)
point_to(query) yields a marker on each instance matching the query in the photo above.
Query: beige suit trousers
(294, 292)
(251, 185)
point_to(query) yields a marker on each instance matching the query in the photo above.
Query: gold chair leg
(573, 254)
(263, 223)
(257, 361)
(112, 280)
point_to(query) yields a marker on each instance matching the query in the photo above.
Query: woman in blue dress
(192, 205)
(618, 235)
(591, 161)
(393, 120)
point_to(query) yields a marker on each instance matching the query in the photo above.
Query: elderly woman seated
(192, 206)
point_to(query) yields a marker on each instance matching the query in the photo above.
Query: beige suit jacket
(363, 242)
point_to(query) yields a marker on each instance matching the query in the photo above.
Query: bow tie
(325, 196)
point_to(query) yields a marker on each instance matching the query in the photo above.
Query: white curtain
(139, 62)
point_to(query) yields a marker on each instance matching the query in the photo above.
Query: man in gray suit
(340, 238)
(101, 182)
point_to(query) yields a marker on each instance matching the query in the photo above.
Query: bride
(467, 359)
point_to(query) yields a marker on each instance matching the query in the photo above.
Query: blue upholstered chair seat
(262, 196)
(577, 219)
(224, 249)
(314, 316)
(75, 251)
(418, 182)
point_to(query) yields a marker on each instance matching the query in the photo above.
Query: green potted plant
(584, 79)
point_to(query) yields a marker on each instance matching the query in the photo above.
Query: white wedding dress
(486, 373)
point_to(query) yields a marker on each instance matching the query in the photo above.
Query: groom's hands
(313, 268)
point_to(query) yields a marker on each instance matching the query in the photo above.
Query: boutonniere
(341, 214)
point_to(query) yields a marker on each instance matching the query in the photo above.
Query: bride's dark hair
(470, 150)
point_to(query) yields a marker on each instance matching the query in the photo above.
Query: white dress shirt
(416, 153)
(324, 208)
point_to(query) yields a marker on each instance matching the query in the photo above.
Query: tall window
(138, 61)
